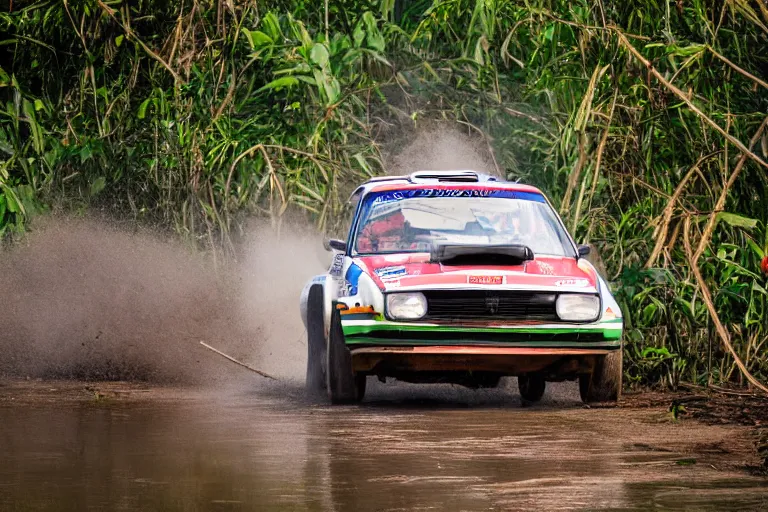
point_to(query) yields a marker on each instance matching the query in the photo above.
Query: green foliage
(194, 115)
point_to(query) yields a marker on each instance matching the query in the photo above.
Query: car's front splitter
(394, 361)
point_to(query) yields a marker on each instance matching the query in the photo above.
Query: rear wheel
(343, 385)
(315, 382)
(604, 383)
(531, 387)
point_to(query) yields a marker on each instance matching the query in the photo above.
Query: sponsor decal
(545, 268)
(399, 195)
(346, 290)
(485, 279)
(390, 272)
(349, 285)
(337, 265)
(572, 282)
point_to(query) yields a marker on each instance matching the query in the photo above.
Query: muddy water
(401, 450)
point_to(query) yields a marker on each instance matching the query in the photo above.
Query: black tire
(316, 345)
(341, 382)
(531, 387)
(604, 383)
(360, 383)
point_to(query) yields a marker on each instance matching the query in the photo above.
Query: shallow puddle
(395, 452)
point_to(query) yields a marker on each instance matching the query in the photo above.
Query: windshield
(415, 220)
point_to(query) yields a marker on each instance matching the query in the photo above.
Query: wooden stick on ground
(238, 362)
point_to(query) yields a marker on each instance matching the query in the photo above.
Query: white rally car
(458, 277)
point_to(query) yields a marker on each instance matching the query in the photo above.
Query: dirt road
(76, 446)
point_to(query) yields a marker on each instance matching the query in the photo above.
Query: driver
(384, 233)
(507, 223)
(514, 224)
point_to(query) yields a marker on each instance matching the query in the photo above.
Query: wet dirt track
(405, 448)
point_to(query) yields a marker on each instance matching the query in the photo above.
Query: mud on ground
(726, 431)
(719, 407)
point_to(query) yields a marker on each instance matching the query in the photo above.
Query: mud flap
(315, 381)
(342, 388)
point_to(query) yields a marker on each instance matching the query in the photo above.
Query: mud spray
(86, 300)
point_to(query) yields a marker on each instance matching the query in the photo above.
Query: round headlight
(406, 306)
(578, 308)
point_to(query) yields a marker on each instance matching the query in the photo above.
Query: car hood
(414, 271)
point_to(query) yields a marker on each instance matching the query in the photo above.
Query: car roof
(457, 179)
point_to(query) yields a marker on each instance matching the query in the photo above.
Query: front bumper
(395, 361)
(361, 332)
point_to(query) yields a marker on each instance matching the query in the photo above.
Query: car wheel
(315, 382)
(360, 382)
(340, 379)
(531, 387)
(604, 383)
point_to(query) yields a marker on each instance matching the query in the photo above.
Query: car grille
(446, 305)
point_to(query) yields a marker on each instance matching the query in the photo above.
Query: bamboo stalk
(598, 161)
(565, 206)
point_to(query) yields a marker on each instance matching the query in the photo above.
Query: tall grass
(643, 120)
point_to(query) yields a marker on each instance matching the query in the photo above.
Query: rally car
(459, 277)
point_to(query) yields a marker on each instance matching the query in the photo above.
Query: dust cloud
(275, 267)
(440, 147)
(86, 300)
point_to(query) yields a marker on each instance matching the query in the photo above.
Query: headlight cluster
(578, 307)
(406, 306)
(570, 307)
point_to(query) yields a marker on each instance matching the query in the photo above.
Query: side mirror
(584, 250)
(338, 245)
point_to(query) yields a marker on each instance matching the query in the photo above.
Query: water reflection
(257, 454)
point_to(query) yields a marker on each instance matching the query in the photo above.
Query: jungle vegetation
(643, 120)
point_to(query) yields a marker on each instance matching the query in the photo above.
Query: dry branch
(737, 68)
(132, 36)
(684, 98)
(662, 230)
(222, 354)
(724, 195)
(707, 296)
